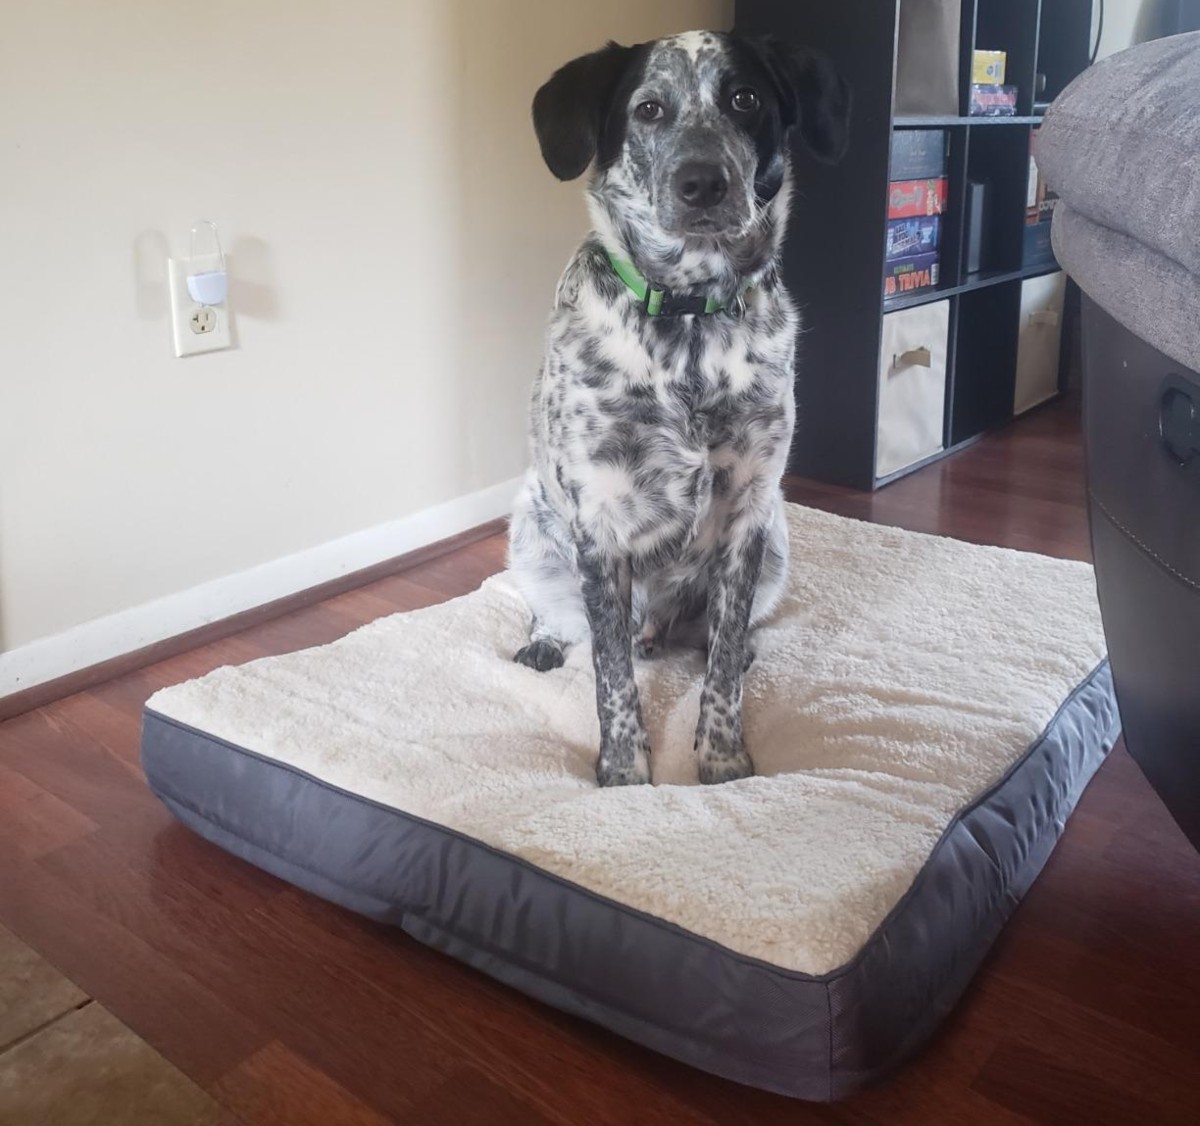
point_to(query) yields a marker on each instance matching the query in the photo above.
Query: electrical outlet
(197, 328)
(203, 320)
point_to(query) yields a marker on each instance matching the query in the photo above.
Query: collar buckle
(664, 303)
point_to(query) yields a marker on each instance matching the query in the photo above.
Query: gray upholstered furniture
(1121, 146)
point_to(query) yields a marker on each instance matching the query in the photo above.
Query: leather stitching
(1146, 548)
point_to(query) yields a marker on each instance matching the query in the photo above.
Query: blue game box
(906, 237)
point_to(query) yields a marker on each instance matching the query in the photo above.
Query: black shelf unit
(834, 255)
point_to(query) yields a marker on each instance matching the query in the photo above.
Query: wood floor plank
(153, 842)
(51, 751)
(276, 1087)
(1076, 1047)
(468, 1098)
(34, 822)
(1049, 1089)
(401, 593)
(1161, 1001)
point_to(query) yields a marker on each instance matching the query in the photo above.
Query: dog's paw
(541, 655)
(723, 765)
(624, 767)
(608, 775)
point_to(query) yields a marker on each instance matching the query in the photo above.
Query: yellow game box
(987, 67)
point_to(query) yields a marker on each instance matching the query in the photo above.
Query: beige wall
(394, 241)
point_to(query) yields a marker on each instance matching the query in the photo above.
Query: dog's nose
(701, 185)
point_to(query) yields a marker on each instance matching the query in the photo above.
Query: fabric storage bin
(1038, 340)
(927, 55)
(912, 386)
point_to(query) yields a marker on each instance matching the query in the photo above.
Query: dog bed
(923, 715)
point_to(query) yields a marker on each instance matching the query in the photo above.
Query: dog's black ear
(813, 97)
(570, 109)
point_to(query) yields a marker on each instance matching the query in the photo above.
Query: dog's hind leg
(669, 615)
(543, 567)
(544, 651)
(771, 579)
(773, 576)
(558, 617)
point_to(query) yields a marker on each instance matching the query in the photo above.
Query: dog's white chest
(652, 425)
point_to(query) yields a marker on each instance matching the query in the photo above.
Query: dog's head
(691, 133)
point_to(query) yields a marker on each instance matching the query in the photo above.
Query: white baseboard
(129, 630)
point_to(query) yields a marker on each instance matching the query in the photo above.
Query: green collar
(662, 302)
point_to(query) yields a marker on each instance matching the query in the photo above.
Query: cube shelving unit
(834, 255)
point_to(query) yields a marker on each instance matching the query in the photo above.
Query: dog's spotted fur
(652, 509)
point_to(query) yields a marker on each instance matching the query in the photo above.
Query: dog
(662, 416)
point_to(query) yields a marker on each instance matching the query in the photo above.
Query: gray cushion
(1150, 294)
(1121, 145)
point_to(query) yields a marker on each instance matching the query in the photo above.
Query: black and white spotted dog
(663, 413)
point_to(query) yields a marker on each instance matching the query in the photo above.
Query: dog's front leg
(624, 747)
(733, 580)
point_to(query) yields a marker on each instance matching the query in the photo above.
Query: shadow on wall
(150, 253)
(252, 288)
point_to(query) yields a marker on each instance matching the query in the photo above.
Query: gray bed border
(811, 1037)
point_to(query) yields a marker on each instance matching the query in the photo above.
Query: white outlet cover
(196, 328)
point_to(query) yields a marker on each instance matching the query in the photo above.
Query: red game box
(910, 199)
(993, 101)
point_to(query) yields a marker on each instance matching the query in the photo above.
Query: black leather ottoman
(1121, 146)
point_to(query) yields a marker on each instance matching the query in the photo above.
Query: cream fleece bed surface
(905, 682)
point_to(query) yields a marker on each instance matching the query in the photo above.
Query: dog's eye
(648, 111)
(745, 100)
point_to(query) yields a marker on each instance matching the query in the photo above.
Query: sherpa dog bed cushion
(923, 715)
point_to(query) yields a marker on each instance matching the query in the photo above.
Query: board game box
(918, 154)
(988, 67)
(906, 237)
(909, 199)
(993, 101)
(913, 274)
(1037, 249)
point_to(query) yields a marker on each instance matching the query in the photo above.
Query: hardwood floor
(289, 1010)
